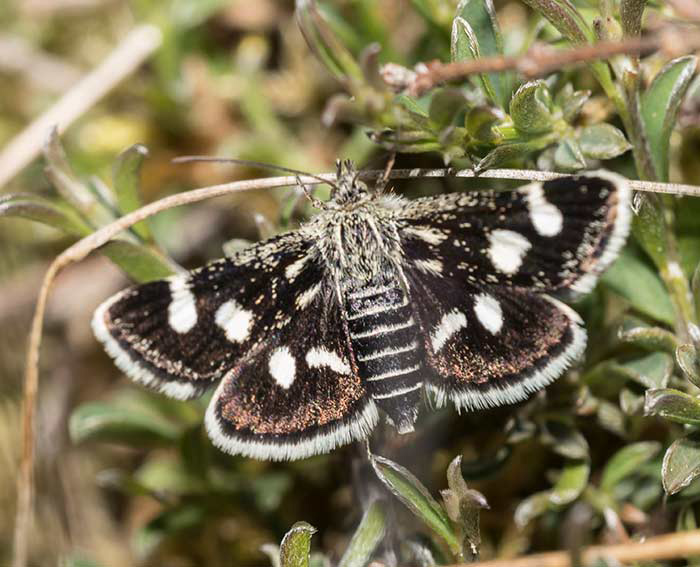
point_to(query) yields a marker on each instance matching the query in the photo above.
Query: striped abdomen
(388, 351)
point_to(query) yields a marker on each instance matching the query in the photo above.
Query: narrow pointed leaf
(142, 263)
(409, 490)
(100, 421)
(660, 105)
(126, 176)
(40, 209)
(571, 482)
(367, 536)
(480, 15)
(650, 338)
(564, 16)
(627, 462)
(295, 549)
(634, 280)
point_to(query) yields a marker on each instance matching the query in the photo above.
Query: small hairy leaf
(602, 141)
(687, 359)
(295, 549)
(125, 174)
(531, 108)
(409, 490)
(673, 405)
(681, 464)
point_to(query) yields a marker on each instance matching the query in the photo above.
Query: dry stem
(540, 60)
(82, 248)
(680, 545)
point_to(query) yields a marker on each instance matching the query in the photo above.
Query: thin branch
(541, 60)
(134, 49)
(679, 545)
(82, 248)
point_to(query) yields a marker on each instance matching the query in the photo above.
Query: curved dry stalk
(82, 248)
(680, 545)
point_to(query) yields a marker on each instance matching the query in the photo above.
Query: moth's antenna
(190, 159)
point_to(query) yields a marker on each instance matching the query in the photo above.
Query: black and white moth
(309, 336)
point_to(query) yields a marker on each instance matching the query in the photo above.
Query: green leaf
(480, 122)
(480, 18)
(631, 12)
(167, 524)
(325, 44)
(659, 108)
(507, 153)
(602, 141)
(531, 108)
(627, 461)
(100, 421)
(651, 371)
(564, 439)
(368, 535)
(166, 474)
(649, 338)
(296, 546)
(532, 507)
(571, 102)
(409, 490)
(445, 106)
(639, 284)
(687, 359)
(142, 263)
(568, 156)
(681, 464)
(673, 405)
(40, 209)
(564, 16)
(571, 483)
(126, 177)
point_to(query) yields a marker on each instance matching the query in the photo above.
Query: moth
(312, 336)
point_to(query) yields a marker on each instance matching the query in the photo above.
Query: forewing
(181, 334)
(299, 395)
(495, 345)
(553, 237)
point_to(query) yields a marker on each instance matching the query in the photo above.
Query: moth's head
(348, 188)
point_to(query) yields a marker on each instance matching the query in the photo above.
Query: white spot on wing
(234, 320)
(305, 298)
(488, 311)
(507, 250)
(282, 367)
(546, 218)
(295, 268)
(448, 326)
(430, 266)
(426, 234)
(182, 311)
(318, 357)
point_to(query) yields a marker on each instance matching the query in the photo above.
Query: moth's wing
(480, 267)
(493, 346)
(552, 237)
(182, 334)
(299, 395)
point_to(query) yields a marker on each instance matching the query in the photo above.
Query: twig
(82, 248)
(540, 60)
(134, 49)
(680, 545)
